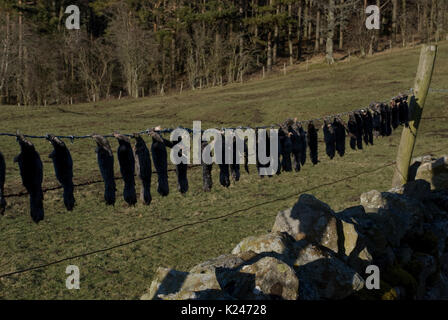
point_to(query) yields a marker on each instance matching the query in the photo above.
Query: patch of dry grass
(125, 272)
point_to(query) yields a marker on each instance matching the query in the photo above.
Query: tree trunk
(269, 62)
(439, 27)
(432, 21)
(4, 66)
(305, 21)
(276, 31)
(310, 25)
(403, 23)
(300, 28)
(291, 61)
(394, 18)
(425, 20)
(21, 65)
(330, 32)
(316, 43)
(173, 61)
(363, 18)
(341, 32)
(377, 32)
(419, 16)
(241, 35)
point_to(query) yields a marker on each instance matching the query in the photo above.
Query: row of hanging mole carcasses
(294, 141)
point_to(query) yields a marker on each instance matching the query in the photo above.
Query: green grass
(126, 272)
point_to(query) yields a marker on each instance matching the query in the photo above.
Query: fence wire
(73, 137)
(158, 234)
(169, 130)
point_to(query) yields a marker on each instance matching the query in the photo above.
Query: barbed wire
(185, 225)
(295, 194)
(169, 130)
(118, 178)
(84, 184)
(158, 234)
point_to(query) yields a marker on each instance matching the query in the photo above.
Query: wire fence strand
(89, 253)
(169, 130)
(158, 234)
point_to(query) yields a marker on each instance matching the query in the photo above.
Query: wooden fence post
(421, 87)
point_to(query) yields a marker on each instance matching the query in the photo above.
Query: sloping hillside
(247, 207)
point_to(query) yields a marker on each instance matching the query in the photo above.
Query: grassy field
(248, 207)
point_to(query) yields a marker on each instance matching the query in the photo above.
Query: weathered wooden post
(409, 135)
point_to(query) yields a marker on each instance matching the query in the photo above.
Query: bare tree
(95, 61)
(330, 31)
(8, 41)
(290, 50)
(404, 22)
(135, 47)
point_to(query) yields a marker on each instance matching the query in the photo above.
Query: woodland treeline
(139, 48)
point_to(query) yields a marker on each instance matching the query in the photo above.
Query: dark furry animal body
(144, 168)
(224, 168)
(296, 147)
(339, 131)
(181, 168)
(330, 139)
(403, 111)
(313, 143)
(246, 156)
(359, 130)
(126, 160)
(182, 179)
(367, 122)
(207, 181)
(376, 121)
(286, 150)
(280, 142)
(159, 157)
(299, 144)
(395, 114)
(388, 120)
(383, 113)
(105, 159)
(63, 167)
(352, 130)
(303, 145)
(31, 171)
(235, 167)
(2, 184)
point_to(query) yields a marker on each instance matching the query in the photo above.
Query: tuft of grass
(126, 272)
